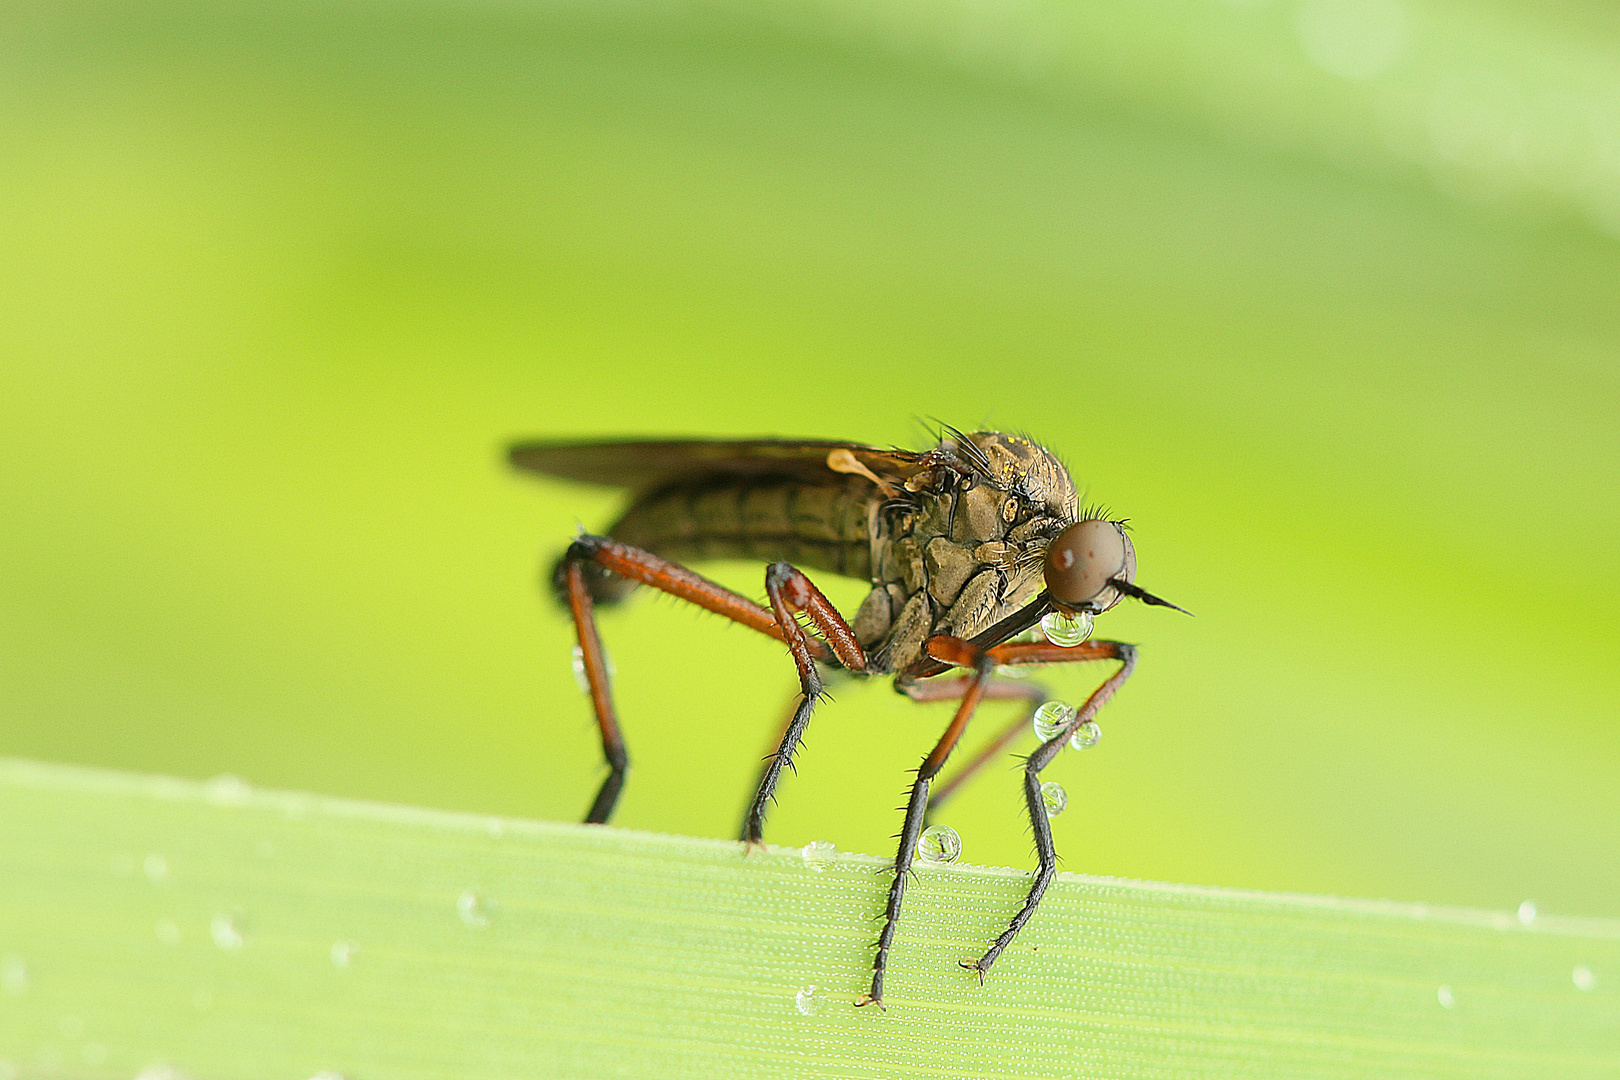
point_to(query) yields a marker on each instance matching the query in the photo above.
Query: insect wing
(644, 464)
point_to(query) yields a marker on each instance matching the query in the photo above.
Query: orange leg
(790, 593)
(607, 721)
(1031, 694)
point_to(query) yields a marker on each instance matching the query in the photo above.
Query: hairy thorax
(964, 549)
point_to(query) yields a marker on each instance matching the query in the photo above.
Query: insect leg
(1031, 694)
(775, 741)
(1046, 852)
(916, 811)
(648, 569)
(590, 649)
(791, 592)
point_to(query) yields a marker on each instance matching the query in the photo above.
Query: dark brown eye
(1083, 559)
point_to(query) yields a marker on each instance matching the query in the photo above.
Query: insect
(969, 546)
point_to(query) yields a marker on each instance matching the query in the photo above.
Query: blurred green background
(1324, 296)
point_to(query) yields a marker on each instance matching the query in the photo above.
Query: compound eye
(1083, 559)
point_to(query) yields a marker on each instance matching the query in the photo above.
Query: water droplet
(13, 975)
(324, 1075)
(226, 934)
(1066, 630)
(470, 906)
(155, 866)
(1443, 995)
(1527, 912)
(167, 932)
(820, 853)
(939, 844)
(343, 952)
(1050, 718)
(1054, 798)
(807, 1002)
(495, 827)
(1583, 978)
(226, 790)
(1086, 736)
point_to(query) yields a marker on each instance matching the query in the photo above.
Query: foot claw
(868, 999)
(974, 966)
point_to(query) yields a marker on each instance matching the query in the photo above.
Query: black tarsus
(779, 577)
(1045, 854)
(916, 818)
(1045, 850)
(618, 761)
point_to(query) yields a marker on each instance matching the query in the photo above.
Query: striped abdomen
(823, 527)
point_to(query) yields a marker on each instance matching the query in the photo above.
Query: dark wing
(641, 465)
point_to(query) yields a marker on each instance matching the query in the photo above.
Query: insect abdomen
(814, 526)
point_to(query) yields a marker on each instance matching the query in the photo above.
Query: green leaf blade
(234, 933)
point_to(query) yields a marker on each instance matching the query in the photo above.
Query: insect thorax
(964, 549)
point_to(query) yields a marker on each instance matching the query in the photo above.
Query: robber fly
(968, 546)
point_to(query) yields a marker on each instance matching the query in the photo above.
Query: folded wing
(646, 464)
